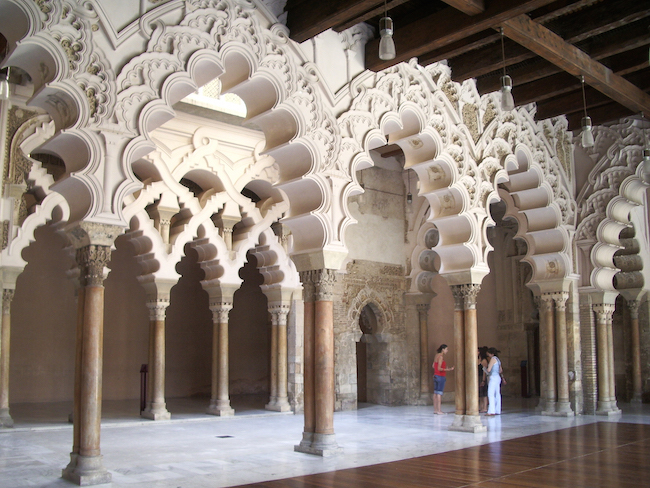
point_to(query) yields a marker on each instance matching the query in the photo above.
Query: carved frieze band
(7, 297)
(92, 260)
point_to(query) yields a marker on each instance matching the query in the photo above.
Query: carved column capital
(220, 311)
(470, 292)
(92, 261)
(279, 313)
(605, 311)
(633, 307)
(423, 308)
(7, 297)
(459, 297)
(308, 287)
(322, 280)
(157, 308)
(546, 301)
(560, 300)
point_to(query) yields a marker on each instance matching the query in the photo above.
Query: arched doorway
(368, 325)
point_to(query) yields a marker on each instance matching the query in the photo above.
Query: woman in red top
(439, 377)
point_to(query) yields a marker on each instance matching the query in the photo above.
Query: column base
(86, 470)
(467, 423)
(278, 406)
(305, 443)
(425, 399)
(220, 408)
(550, 408)
(563, 409)
(323, 445)
(5, 419)
(156, 411)
(609, 412)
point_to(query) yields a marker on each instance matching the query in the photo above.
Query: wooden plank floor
(602, 454)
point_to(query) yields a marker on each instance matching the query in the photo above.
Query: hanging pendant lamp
(507, 100)
(587, 137)
(386, 44)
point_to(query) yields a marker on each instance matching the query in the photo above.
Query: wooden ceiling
(548, 45)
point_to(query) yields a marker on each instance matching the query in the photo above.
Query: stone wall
(380, 287)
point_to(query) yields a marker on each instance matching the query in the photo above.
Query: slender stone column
(563, 406)
(604, 314)
(273, 400)
(76, 404)
(323, 440)
(637, 382)
(220, 401)
(306, 277)
(86, 467)
(157, 407)
(5, 340)
(472, 421)
(279, 314)
(459, 354)
(466, 340)
(548, 362)
(425, 367)
(610, 363)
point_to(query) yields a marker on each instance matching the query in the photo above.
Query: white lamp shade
(507, 100)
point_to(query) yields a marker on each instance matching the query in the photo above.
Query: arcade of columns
(462, 149)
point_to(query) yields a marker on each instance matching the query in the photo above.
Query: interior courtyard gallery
(196, 206)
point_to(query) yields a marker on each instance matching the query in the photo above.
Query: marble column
(604, 313)
(308, 339)
(547, 365)
(279, 402)
(86, 467)
(5, 339)
(637, 381)
(471, 419)
(425, 367)
(459, 357)
(563, 405)
(610, 363)
(323, 439)
(156, 406)
(220, 399)
(273, 397)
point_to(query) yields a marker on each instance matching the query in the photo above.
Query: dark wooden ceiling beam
(306, 21)
(469, 7)
(552, 47)
(561, 83)
(445, 27)
(631, 37)
(574, 28)
(608, 112)
(572, 102)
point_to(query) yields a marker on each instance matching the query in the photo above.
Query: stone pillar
(604, 313)
(563, 406)
(273, 400)
(5, 339)
(220, 399)
(323, 439)
(471, 422)
(425, 367)
(637, 381)
(280, 403)
(86, 467)
(548, 359)
(459, 355)
(308, 338)
(610, 363)
(156, 406)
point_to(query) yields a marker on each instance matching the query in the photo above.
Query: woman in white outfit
(495, 377)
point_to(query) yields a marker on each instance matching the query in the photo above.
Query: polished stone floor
(194, 450)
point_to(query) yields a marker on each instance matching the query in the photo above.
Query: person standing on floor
(495, 376)
(439, 378)
(482, 379)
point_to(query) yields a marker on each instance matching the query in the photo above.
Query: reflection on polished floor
(195, 450)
